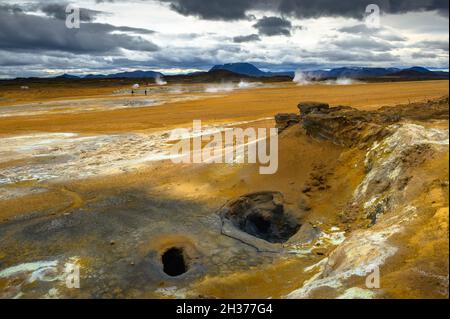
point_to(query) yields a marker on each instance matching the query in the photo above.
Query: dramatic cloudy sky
(175, 36)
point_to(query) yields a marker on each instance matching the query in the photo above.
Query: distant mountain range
(368, 73)
(249, 69)
(351, 72)
(236, 70)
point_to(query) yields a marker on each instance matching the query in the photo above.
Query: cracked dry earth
(355, 191)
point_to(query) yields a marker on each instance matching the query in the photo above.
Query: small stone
(316, 183)
(277, 200)
(304, 204)
(306, 189)
(320, 252)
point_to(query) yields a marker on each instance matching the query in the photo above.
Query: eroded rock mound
(262, 215)
(284, 120)
(312, 107)
(342, 125)
(347, 126)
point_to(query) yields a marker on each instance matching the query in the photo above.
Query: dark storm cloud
(11, 8)
(357, 8)
(246, 38)
(29, 32)
(271, 26)
(237, 9)
(213, 9)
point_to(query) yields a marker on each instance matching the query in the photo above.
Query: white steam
(247, 85)
(218, 88)
(303, 78)
(159, 80)
(229, 87)
(341, 81)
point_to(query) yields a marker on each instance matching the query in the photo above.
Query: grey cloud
(357, 29)
(381, 33)
(433, 45)
(362, 43)
(237, 9)
(246, 38)
(272, 26)
(318, 8)
(58, 11)
(424, 55)
(8, 59)
(29, 32)
(124, 29)
(392, 37)
(356, 8)
(12, 8)
(213, 9)
(342, 57)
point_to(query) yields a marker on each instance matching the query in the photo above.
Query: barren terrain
(85, 178)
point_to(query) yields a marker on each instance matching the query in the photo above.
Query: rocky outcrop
(347, 126)
(344, 126)
(284, 120)
(312, 107)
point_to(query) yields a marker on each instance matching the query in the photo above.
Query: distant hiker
(132, 92)
(145, 92)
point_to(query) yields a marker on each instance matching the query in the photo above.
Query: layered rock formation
(404, 191)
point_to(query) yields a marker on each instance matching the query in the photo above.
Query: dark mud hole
(262, 215)
(174, 262)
